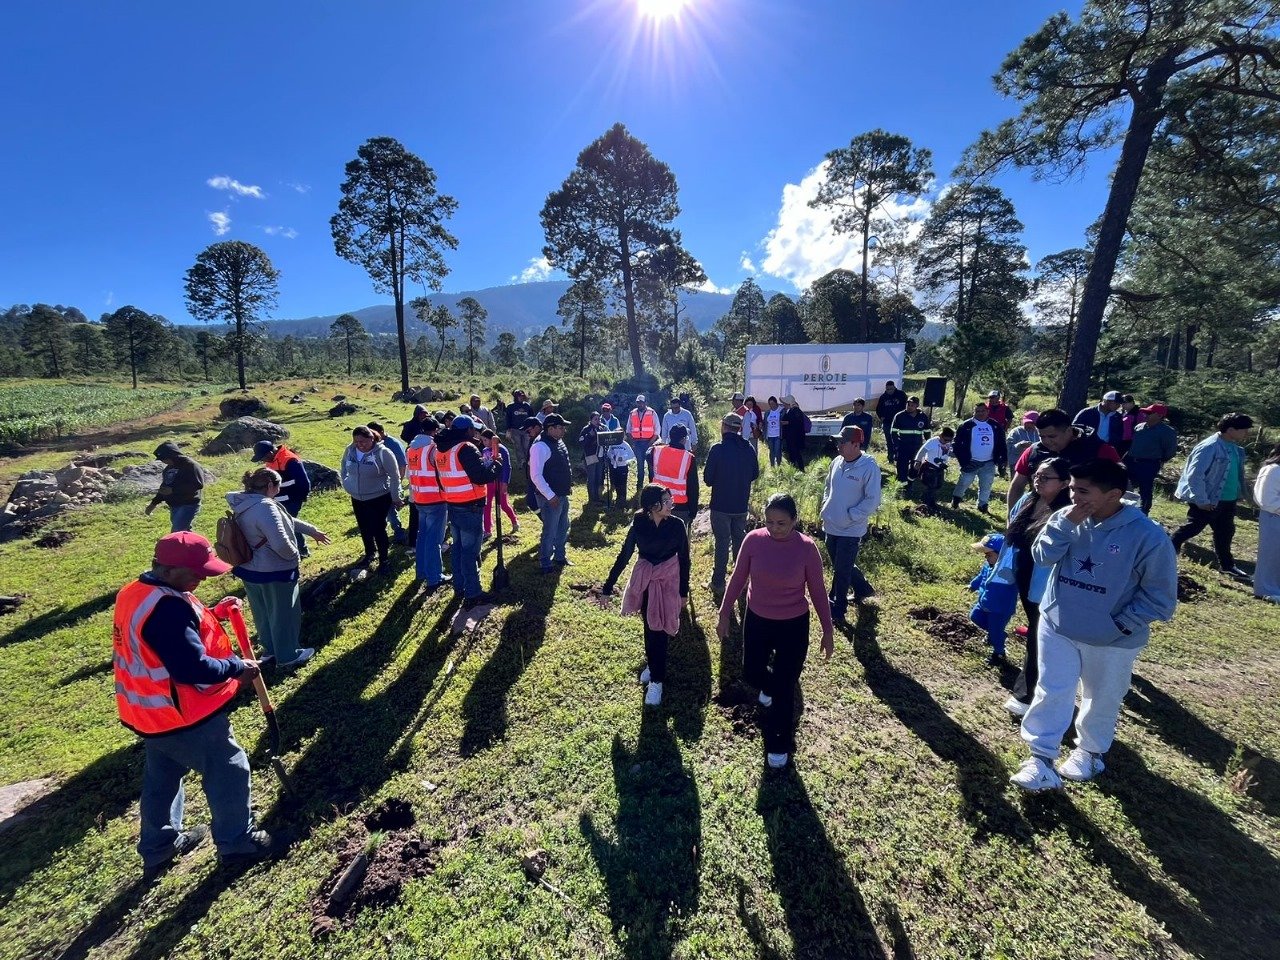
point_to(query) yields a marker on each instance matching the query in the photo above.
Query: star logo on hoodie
(1086, 565)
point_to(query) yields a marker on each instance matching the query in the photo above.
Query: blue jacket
(997, 592)
(1091, 418)
(1205, 472)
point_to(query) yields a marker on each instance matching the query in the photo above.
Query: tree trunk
(629, 294)
(1175, 348)
(133, 359)
(1192, 353)
(1148, 110)
(240, 350)
(582, 344)
(348, 354)
(1213, 346)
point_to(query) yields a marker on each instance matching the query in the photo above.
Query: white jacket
(1266, 489)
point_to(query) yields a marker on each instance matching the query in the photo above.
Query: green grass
(896, 834)
(35, 410)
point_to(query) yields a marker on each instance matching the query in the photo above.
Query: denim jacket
(1205, 473)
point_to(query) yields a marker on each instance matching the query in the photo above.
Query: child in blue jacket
(997, 593)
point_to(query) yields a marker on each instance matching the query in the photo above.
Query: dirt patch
(1189, 590)
(740, 708)
(392, 814)
(54, 539)
(593, 594)
(953, 629)
(10, 604)
(920, 510)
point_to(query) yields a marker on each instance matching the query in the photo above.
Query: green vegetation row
(41, 411)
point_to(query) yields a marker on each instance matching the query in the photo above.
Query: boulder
(34, 485)
(322, 478)
(234, 407)
(701, 526)
(342, 409)
(244, 433)
(297, 398)
(338, 397)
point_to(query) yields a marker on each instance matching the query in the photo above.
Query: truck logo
(825, 363)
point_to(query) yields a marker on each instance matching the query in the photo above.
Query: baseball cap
(732, 420)
(1159, 408)
(191, 552)
(1031, 416)
(789, 399)
(463, 422)
(262, 450)
(606, 406)
(992, 541)
(532, 422)
(673, 402)
(913, 399)
(1114, 395)
(737, 396)
(554, 420)
(852, 434)
(993, 393)
(640, 398)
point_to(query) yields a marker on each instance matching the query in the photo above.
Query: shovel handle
(242, 638)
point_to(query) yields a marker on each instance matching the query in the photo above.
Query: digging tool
(501, 579)
(264, 698)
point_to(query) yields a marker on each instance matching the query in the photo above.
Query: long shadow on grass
(826, 915)
(57, 618)
(688, 683)
(1181, 728)
(651, 868)
(1227, 885)
(980, 775)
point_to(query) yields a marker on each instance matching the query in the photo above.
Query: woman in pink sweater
(775, 566)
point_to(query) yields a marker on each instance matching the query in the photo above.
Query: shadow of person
(1181, 728)
(980, 775)
(825, 913)
(688, 687)
(650, 864)
(46, 623)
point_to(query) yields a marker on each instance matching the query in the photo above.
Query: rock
(342, 409)
(235, 407)
(322, 478)
(338, 397)
(701, 526)
(376, 388)
(34, 484)
(313, 389)
(242, 434)
(535, 863)
(297, 398)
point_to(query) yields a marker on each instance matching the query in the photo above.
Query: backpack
(230, 544)
(808, 424)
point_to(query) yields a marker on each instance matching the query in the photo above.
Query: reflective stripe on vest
(671, 470)
(424, 484)
(454, 482)
(148, 699)
(643, 427)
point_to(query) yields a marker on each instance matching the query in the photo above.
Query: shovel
(501, 579)
(264, 698)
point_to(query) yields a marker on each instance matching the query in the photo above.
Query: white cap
(640, 398)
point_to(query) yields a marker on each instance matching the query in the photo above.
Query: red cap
(1159, 408)
(190, 551)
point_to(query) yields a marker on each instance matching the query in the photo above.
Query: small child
(931, 463)
(997, 594)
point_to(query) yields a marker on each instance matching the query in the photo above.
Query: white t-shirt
(773, 423)
(933, 452)
(982, 442)
(748, 423)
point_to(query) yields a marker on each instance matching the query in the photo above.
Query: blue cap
(992, 541)
(463, 422)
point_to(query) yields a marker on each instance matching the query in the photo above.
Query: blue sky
(136, 131)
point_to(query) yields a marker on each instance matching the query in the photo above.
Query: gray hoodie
(852, 495)
(270, 532)
(370, 476)
(1110, 580)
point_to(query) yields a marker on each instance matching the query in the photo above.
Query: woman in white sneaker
(659, 584)
(775, 566)
(1266, 494)
(271, 576)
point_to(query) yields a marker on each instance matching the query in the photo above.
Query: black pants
(906, 452)
(655, 645)
(1025, 686)
(889, 443)
(931, 479)
(1143, 474)
(796, 455)
(371, 518)
(1221, 519)
(787, 642)
(618, 480)
(412, 532)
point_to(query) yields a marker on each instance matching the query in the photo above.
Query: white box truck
(823, 377)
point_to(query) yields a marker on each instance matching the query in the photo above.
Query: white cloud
(232, 185)
(804, 245)
(709, 286)
(299, 187)
(287, 232)
(221, 223)
(110, 298)
(747, 264)
(539, 268)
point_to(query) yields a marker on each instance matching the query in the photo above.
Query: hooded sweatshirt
(182, 480)
(369, 476)
(1111, 579)
(852, 495)
(270, 531)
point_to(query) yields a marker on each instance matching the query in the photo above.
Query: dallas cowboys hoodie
(1111, 579)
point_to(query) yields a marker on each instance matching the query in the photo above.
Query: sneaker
(1035, 775)
(515, 528)
(264, 847)
(187, 841)
(1239, 574)
(653, 694)
(304, 654)
(955, 503)
(1081, 765)
(982, 508)
(360, 573)
(778, 760)
(1275, 598)
(644, 676)
(764, 699)
(1016, 707)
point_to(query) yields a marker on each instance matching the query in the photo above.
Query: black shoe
(997, 660)
(982, 508)
(955, 503)
(266, 846)
(187, 841)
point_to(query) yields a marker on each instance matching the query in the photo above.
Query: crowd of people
(1077, 550)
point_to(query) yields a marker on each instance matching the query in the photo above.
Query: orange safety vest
(454, 482)
(642, 427)
(281, 459)
(671, 469)
(149, 700)
(424, 483)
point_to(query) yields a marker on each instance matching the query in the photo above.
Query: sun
(661, 9)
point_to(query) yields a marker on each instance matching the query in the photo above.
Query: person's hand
(252, 670)
(1207, 508)
(553, 502)
(150, 507)
(222, 609)
(1077, 514)
(828, 644)
(722, 628)
(320, 537)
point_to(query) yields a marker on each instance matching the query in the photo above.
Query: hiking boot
(263, 845)
(1036, 775)
(778, 760)
(304, 654)
(982, 508)
(187, 841)
(653, 694)
(1016, 707)
(1081, 765)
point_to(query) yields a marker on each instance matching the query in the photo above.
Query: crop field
(31, 411)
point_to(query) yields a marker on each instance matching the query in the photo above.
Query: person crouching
(997, 594)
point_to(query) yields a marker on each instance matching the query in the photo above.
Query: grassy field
(895, 834)
(35, 410)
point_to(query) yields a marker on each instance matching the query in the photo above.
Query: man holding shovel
(176, 679)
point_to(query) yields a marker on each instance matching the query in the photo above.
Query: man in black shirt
(180, 487)
(888, 406)
(910, 429)
(516, 413)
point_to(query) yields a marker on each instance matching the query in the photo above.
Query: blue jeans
(468, 525)
(393, 518)
(182, 517)
(595, 480)
(1143, 473)
(775, 451)
(555, 530)
(209, 749)
(845, 573)
(431, 522)
(641, 448)
(727, 530)
(985, 472)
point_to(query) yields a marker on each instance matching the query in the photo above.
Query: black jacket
(889, 404)
(964, 436)
(657, 544)
(182, 480)
(730, 470)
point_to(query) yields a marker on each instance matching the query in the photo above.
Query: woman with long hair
(371, 477)
(659, 584)
(775, 567)
(1266, 494)
(270, 576)
(1049, 493)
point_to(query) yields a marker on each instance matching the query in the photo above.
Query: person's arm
(709, 468)
(685, 565)
(738, 580)
(392, 471)
(862, 511)
(345, 467)
(271, 528)
(693, 431)
(539, 453)
(1056, 537)
(173, 632)
(477, 472)
(1156, 596)
(818, 596)
(1168, 445)
(624, 557)
(754, 469)
(665, 433)
(1195, 471)
(692, 490)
